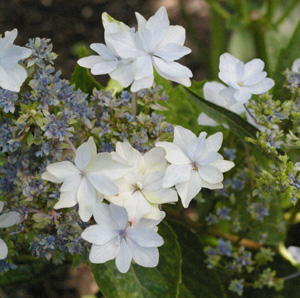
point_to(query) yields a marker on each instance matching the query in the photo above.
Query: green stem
(219, 9)
(287, 11)
(218, 42)
(243, 8)
(133, 104)
(272, 4)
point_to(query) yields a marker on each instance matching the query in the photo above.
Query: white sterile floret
(194, 163)
(114, 238)
(296, 66)
(157, 44)
(12, 74)
(295, 252)
(108, 61)
(91, 173)
(7, 220)
(211, 92)
(140, 190)
(243, 79)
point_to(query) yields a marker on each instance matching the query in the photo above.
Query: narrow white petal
(119, 215)
(104, 67)
(3, 250)
(155, 160)
(210, 174)
(170, 68)
(62, 169)
(188, 190)
(177, 174)
(174, 154)
(102, 50)
(143, 256)
(137, 206)
(84, 153)
(102, 253)
(99, 235)
(208, 158)
(146, 82)
(9, 219)
(172, 51)
(102, 184)
(86, 197)
(223, 165)
(124, 257)
(145, 237)
(214, 142)
(140, 20)
(49, 177)
(160, 196)
(90, 61)
(212, 185)
(142, 67)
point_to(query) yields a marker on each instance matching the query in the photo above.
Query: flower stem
(133, 104)
(291, 276)
(251, 115)
(71, 146)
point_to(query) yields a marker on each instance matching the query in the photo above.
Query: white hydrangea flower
(108, 61)
(195, 163)
(211, 92)
(157, 44)
(12, 74)
(114, 238)
(296, 66)
(140, 190)
(243, 79)
(91, 173)
(7, 220)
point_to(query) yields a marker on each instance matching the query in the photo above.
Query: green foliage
(139, 282)
(82, 78)
(286, 58)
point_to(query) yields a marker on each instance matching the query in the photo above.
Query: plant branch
(287, 11)
(219, 9)
(71, 145)
(133, 104)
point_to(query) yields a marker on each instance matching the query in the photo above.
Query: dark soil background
(69, 23)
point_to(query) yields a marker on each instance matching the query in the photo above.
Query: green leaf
(82, 78)
(196, 277)
(140, 282)
(286, 58)
(29, 139)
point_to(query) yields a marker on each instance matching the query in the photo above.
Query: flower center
(122, 233)
(241, 84)
(195, 167)
(139, 185)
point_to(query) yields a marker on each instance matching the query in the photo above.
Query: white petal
(160, 196)
(295, 252)
(173, 69)
(1, 206)
(124, 257)
(140, 20)
(142, 67)
(143, 256)
(211, 92)
(228, 94)
(155, 214)
(255, 78)
(254, 66)
(102, 50)
(126, 44)
(155, 160)
(104, 67)
(177, 174)
(146, 37)
(183, 137)
(123, 74)
(49, 177)
(62, 169)
(210, 174)
(214, 142)
(243, 95)
(99, 234)
(223, 165)
(143, 83)
(146, 223)
(86, 197)
(261, 87)
(296, 65)
(90, 61)
(9, 219)
(228, 64)
(145, 237)
(119, 215)
(208, 158)
(9, 37)
(102, 184)
(128, 153)
(71, 182)
(102, 215)
(174, 154)
(13, 55)
(174, 34)
(103, 253)
(84, 153)
(212, 185)
(12, 79)
(137, 206)
(3, 250)
(197, 147)
(204, 120)
(67, 199)
(172, 51)
(153, 181)
(188, 190)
